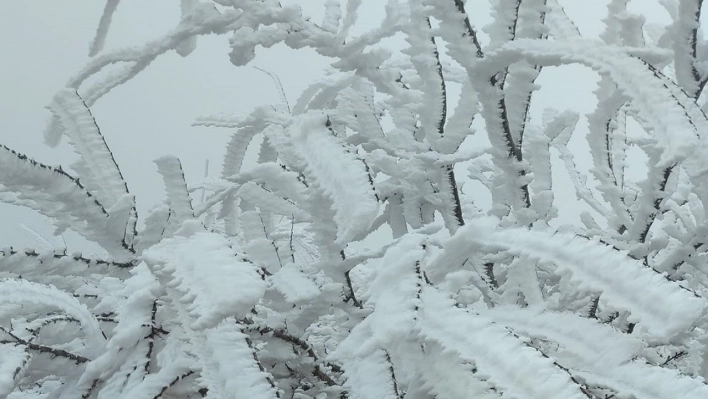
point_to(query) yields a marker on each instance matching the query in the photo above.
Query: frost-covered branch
(349, 257)
(54, 352)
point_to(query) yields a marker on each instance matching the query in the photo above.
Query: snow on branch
(189, 44)
(504, 359)
(20, 291)
(177, 194)
(15, 359)
(213, 280)
(676, 122)
(103, 27)
(661, 307)
(685, 38)
(38, 265)
(559, 25)
(232, 368)
(277, 179)
(340, 174)
(255, 123)
(589, 344)
(202, 19)
(268, 287)
(97, 167)
(57, 195)
(266, 200)
(80, 126)
(371, 378)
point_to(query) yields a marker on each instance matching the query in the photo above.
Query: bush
(263, 287)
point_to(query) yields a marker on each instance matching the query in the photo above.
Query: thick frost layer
(177, 194)
(232, 369)
(22, 291)
(13, 359)
(211, 278)
(57, 195)
(675, 119)
(237, 146)
(520, 371)
(78, 123)
(154, 384)
(340, 174)
(266, 201)
(294, 284)
(444, 374)
(587, 343)
(103, 27)
(394, 293)
(642, 380)
(370, 377)
(123, 363)
(663, 308)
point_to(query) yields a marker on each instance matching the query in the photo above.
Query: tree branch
(78, 359)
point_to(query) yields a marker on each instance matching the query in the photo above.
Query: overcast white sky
(43, 42)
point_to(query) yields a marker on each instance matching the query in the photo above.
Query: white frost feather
(22, 291)
(660, 306)
(79, 125)
(340, 174)
(520, 371)
(13, 359)
(213, 281)
(230, 368)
